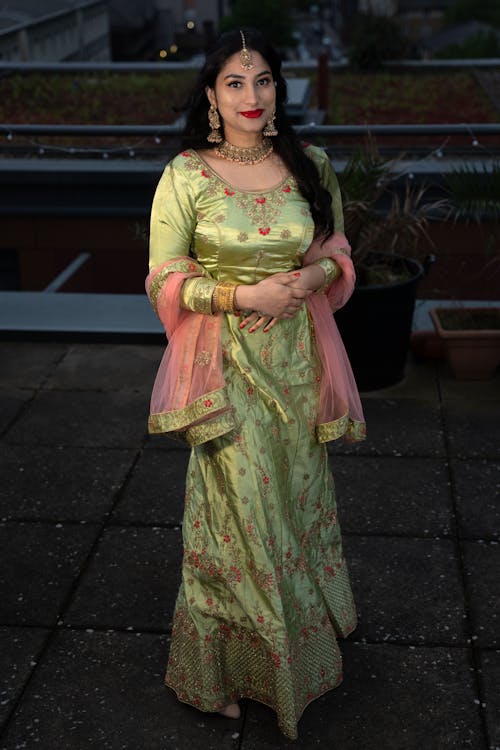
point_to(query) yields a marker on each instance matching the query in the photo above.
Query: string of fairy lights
(131, 150)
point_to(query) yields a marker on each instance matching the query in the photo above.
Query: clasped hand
(276, 298)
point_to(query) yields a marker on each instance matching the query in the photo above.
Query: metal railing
(307, 129)
(196, 63)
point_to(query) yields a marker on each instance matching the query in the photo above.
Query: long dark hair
(286, 143)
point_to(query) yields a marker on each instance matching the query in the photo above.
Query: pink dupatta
(340, 413)
(189, 399)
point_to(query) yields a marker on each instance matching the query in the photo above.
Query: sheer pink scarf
(189, 388)
(340, 412)
(190, 391)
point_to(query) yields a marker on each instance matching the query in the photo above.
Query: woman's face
(245, 98)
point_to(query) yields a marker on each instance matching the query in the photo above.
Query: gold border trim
(178, 419)
(156, 287)
(211, 429)
(353, 430)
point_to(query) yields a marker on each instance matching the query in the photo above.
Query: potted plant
(386, 216)
(471, 335)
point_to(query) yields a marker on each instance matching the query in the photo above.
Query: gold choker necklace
(252, 155)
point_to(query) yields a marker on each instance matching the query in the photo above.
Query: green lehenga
(265, 591)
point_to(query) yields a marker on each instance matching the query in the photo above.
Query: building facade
(57, 30)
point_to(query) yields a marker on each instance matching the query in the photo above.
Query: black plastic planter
(376, 324)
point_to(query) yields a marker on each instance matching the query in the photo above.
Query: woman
(255, 378)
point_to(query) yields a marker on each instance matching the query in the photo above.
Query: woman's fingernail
(297, 274)
(251, 330)
(242, 325)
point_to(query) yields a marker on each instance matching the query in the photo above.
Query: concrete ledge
(125, 315)
(43, 312)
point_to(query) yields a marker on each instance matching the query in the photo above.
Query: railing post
(323, 81)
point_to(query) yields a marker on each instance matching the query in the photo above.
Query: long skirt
(265, 590)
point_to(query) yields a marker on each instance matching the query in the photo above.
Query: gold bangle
(332, 271)
(196, 294)
(223, 296)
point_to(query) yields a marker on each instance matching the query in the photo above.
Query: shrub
(481, 44)
(374, 39)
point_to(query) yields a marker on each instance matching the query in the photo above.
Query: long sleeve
(330, 182)
(173, 217)
(172, 225)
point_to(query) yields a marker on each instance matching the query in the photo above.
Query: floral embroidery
(228, 192)
(264, 231)
(286, 189)
(204, 173)
(260, 210)
(242, 237)
(285, 234)
(234, 575)
(203, 359)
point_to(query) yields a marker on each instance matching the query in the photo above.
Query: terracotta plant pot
(426, 345)
(472, 353)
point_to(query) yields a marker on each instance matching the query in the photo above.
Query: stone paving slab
(482, 565)
(468, 390)
(105, 690)
(477, 493)
(406, 590)
(162, 442)
(18, 652)
(60, 483)
(155, 490)
(490, 680)
(25, 365)
(116, 419)
(392, 698)
(420, 381)
(398, 427)
(11, 404)
(39, 563)
(473, 428)
(386, 495)
(101, 367)
(131, 581)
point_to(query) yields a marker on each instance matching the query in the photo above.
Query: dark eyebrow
(235, 75)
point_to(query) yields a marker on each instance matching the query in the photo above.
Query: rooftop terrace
(90, 538)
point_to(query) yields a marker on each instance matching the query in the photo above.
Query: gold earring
(270, 127)
(213, 119)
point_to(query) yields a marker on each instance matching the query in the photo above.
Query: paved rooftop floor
(90, 542)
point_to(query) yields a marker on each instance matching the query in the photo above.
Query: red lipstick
(252, 113)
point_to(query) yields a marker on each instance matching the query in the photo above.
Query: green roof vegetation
(138, 98)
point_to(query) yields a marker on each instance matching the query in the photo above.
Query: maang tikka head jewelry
(246, 59)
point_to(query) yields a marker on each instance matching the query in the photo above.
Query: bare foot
(232, 711)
